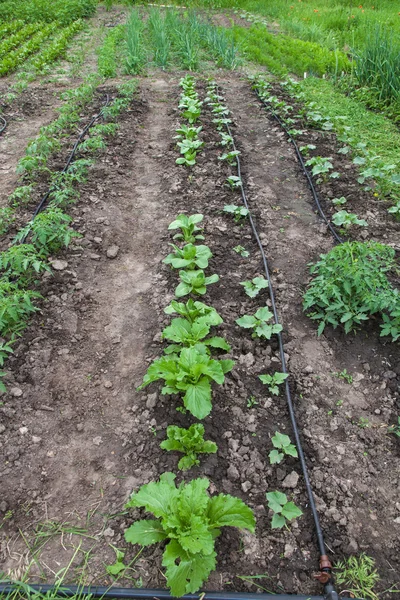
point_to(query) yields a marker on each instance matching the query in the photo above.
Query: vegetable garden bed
(78, 365)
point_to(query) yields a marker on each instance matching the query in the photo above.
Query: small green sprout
(259, 323)
(282, 509)
(242, 251)
(252, 288)
(238, 212)
(273, 381)
(281, 442)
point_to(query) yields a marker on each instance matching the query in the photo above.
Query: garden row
(49, 230)
(42, 43)
(165, 38)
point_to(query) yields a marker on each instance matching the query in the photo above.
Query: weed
(358, 575)
(395, 429)
(344, 375)
(251, 402)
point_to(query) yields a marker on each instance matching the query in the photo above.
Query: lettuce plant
(194, 309)
(259, 323)
(194, 282)
(189, 373)
(254, 287)
(190, 442)
(187, 334)
(187, 132)
(281, 442)
(189, 257)
(188, 227)
(190, 520)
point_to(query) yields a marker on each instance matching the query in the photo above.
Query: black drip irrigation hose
(325, 575)
(71, 156)
(304, 169)
(4, 124)
(117, 593)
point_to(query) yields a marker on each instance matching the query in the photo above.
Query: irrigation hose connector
(325, 573)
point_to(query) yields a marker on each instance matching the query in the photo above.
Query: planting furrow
(331, 408)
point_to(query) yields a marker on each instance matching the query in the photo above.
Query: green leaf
(291, 511)
(197, 399)
(275, 457)
(145, 533)
(186, 573)
(227, 365)
(276, 500)
(116, 568)
(217, 342)
(277, 521)
(247, 321)
(155, 497)
(226, 510)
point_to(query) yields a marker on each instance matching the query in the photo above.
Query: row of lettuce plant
(190, 105)
(47, 234)
(351, 284)
(261, 322)
(186, 516)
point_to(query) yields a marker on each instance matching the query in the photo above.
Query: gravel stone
(233, 473)
(16, 392)
(151, 401)
(59, 265)
(290, 480)
(112, 251)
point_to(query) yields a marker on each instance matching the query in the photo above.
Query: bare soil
(77, 437)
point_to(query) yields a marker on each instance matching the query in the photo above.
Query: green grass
(31, 11)
(381, 136)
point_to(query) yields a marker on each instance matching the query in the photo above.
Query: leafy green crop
(239, 212)
(188, 227)
(15, 306)
(350, 284)
(242, 251)
(273, 381)
(190, 372)
(234, 182)
(230, 157)
(19, 260)
(194, 282)
(190, 442)
(346, 219)
(49, 231)
(282, 509)
(281, 442)
(186, 334)
(191, 521)
(189, 257)
(254, 287)
(259, 323)
(194, 309)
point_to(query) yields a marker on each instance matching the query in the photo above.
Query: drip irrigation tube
(304, 169)
(325, 574)
(147, 594)
(4, 124)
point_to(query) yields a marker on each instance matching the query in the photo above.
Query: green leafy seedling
(188, 227)
(283, 510)
(395, 429)
(281, 442)
(230, 157)
(189, 373)
(339, 201)
(192, 310)
(115, 569)
(254, 287)
(273, 381)
(190, 442)
(189, 257)
(259, 323)
(242, 251)
(185, 334)
(194, 282)
(238, 212)
(346, 220)
(234, 182)
(190, 521)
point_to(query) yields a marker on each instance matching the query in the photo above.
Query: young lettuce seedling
(254, 287)
(190, 442)
(194, 282)
(238, 212)
(190, 373)
(188, 227)
(226, 139)
(189, 257)
(282, 509)
(259, 323)
(273, 381)
(190, 521)
(187, 334)
(192, 310)
(187, 132)
(281, 442)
